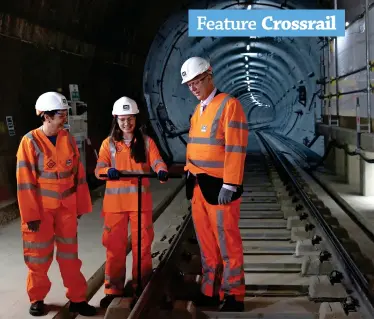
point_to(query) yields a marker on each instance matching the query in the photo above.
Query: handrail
(357, 277)
(142, 175)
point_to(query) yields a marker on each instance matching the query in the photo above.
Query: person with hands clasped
(52, 193)
(126, 150)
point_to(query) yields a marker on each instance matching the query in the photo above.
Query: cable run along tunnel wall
(263, 73)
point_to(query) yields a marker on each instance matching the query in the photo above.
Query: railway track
(298, 261)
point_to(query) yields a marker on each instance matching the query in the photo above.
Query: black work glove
(113, 174)
(34, 225)
(162, 176)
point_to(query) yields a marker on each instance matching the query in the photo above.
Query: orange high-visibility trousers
(218, 234)
(114, 239)
(57, 226)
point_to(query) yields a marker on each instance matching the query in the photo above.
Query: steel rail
(357, 278)
(151, 294)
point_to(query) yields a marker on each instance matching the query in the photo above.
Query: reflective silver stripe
(240, 125)
(65, 240)
(114, 280)
(64, 255)
(101, 165)
(217, 118)
(124, 190)
(72, 143)
(146, 140)
(207, 164)
(38, 260)
(55, 175)
(38, 245)
(54, 194)
(116, 283)
(235, 149)
(25, 186)
(39, 154)
(206, 268)
(75, 167)
(25, 164)
(234, 272)
(206, 283)
(112, 149)
(81, 181)
(154, 164)
(206, 140)
(228, 272)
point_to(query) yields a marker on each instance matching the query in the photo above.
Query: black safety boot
(105, 302)
(37, 308)
(230, 304)
(206, 301)
(83, 308)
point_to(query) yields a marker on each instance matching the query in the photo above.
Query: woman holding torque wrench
(126, 150)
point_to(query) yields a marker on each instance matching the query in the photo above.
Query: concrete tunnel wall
(276, 67)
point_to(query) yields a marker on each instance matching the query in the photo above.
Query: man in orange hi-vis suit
(215, 157)
(127, 150)
(52, 193)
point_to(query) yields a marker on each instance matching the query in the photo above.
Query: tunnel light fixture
(246, 66)
(248, 47)
(249, 88)
(246, 58)
(347, 24)
(247, 77)
(249, 7)
(246, 72)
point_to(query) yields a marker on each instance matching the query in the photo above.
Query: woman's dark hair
(137, 145)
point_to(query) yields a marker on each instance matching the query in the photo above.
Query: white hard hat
(193, 67)
(125, 106)
(51, 101)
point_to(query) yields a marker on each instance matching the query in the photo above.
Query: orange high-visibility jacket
(49, 176)
(122, 195)
(218, 140)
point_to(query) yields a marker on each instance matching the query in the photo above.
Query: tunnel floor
(14, 300)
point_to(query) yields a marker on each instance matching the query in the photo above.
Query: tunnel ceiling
(128, 25)
(155, 35)
(264, 73)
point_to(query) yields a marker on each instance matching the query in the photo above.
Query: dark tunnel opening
(274, 78)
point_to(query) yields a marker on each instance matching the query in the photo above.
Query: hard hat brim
(208, 69)
(132, 113)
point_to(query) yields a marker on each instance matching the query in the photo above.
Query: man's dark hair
(49, 113)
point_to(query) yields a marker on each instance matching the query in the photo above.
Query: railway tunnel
(311, 97)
